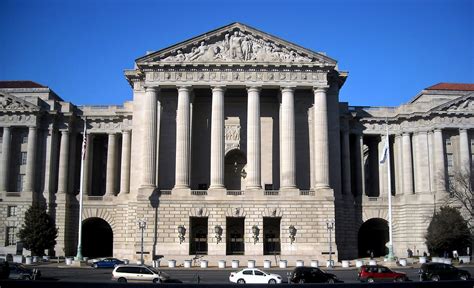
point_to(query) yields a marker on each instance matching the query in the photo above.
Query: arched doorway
(235, 173)
(97, 238)
(373, 235)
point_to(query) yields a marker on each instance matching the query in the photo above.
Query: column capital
(463, 130)
(321, 88)
(152, 88)
(184, 88)
(284, 89)
(64, 131)
(254, 89)
(124, 131)
(437, 130)
(218, 88)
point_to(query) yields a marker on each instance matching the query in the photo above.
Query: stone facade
(235, 135)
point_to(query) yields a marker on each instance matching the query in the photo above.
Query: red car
(378, 273)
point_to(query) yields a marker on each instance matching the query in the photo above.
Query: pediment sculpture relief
(7, 103)
(466, 105)
(238, 47)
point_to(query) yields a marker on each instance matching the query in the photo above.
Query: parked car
(139, 273)
(311, 275)
(254, 276)
(18, 271)
(378, 273)
(4, 269)
(107, 263)
(440, 271)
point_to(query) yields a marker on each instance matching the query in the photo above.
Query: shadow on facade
(373, 235)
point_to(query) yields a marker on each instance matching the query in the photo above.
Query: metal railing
(94, 198)
(199, 192)
(271, 192)
(13, 194)
(165, 192)
(307, 192)
(235, 192)
(373, 198)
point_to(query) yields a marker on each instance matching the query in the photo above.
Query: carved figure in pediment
(247, 48)
(236, 45)
(200, 51)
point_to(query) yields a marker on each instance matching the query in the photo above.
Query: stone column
(111, 165)
(87, 165)
(183, 138)
(321, 138)
(253, 139)
(383, 169)
(63, 162)
(422, 167)
(48, 165)
(5, 168)
(464, 155)
(217, 139)
(359, 159)
(346, 163)
(149, 138)
(407, 165)
(125, 166)
(287, 145)
(30, 160)
(398, 165)
(439, 167)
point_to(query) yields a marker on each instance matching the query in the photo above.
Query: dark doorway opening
(235, 236)
(198, 234)
(373, 235)
(235, 162)
(97, 238)
(271, 236)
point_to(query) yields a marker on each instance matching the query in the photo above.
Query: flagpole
(81, 188)
(390, 255)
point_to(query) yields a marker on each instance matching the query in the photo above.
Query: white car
(138, 273)
(254, 276)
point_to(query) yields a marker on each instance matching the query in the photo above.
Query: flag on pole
(384, 155)
(84, 142)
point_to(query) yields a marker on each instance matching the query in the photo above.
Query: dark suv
(311, 275)
(441, 271)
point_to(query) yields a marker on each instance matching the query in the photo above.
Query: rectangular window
(23, 158)
(11, 236)
(19, 183)
(24, 139)
(11, 211)
(450, 161)
(448, 141)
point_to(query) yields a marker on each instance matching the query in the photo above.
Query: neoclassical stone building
(234, 146)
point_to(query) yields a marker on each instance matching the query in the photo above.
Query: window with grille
(11, 211)
(19, 183)
(23, 158)
(11, 236)
(24, 139)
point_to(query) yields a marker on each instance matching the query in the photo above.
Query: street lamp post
(142, 226)
(330, 226)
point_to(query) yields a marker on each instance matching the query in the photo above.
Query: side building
(234, 146)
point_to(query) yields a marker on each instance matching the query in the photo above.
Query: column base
(289, 191)
(215, 191)
(181, 192)
(145, 191)
(327, 193)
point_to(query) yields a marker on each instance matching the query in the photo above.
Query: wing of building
(235, 146)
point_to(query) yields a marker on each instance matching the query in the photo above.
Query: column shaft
(439, 167)
(6, 147)
(287, 146)
(321, 138)
(464, 155)
(63, 162)
(30, 160)
(398, 165)
(421, 168)
(149, 138)
(383, 169)
(217, 138)
(48, 164)
(111, 165)
(253, 139)
(125, 166)
(407, 165)
(359, 159)
(346, 163)
(183, 138)
(87, 165)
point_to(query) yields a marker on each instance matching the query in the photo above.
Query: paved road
(190, 275)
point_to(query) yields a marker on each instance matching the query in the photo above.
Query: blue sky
(391, 49)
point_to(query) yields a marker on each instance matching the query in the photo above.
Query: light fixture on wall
(292, 231)
(181, 232)
(330, 227)
(243, 174)
(255, 232)
(218, 231)
(142, 227)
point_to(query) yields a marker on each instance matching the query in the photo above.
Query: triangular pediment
(12, 103)
(461, 104)
(236, 43)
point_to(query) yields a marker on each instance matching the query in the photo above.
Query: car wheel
(157, 280)
(301, 281)
(95, 266)
(463, 277)
(370, 280)
(272, 281)
(434, 278)
(122, 280)
(399, 279)
(330, 281)
(26, 277)
(241, 281)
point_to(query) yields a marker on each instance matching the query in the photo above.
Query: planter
(139, 262)
(172, 263)
(187, 263)
(315, 263)
(28, 260)
(437, 259)
(330, 263)
(447, 261)
(235, 264)
(69, 260)
(251, 264)
(35, 259)
(46, 258)
(283, 264)
(299, 263)
(403, 262)
(464, 259)
(156, 263)
(346, 264)
(372, 262)
(204, 263)
(267, 264)
(126, 261)
(221, 264)
(18, 258)
(422, 260)
(359, 263)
